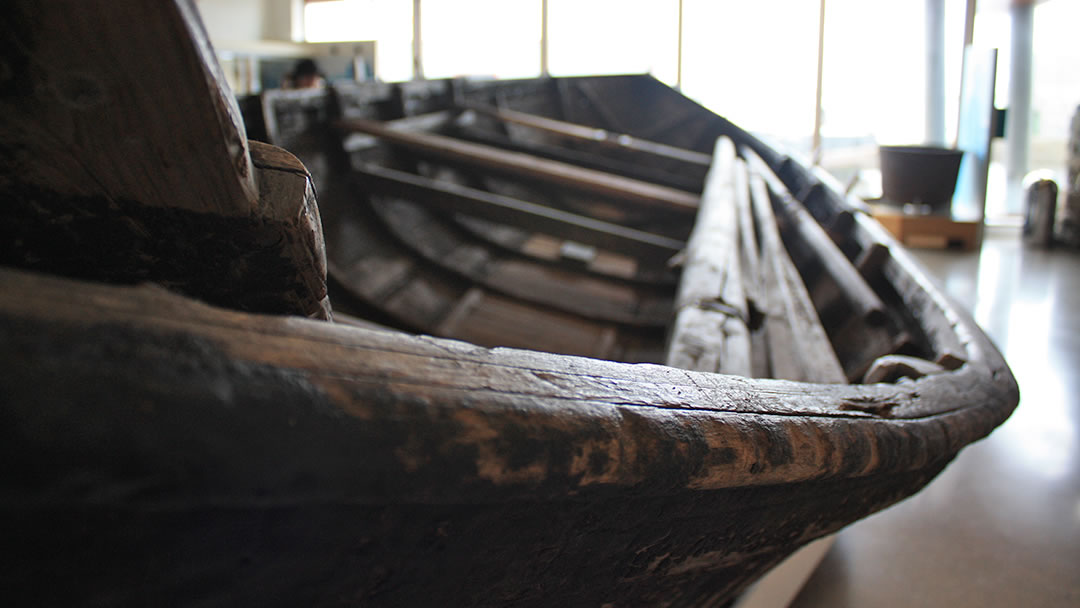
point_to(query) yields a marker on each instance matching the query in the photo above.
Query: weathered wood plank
(569, 290)
(452, 197)
(749, 258)
(223, 448)
(798, 346)
(859, 324)
(125, 160)
(710, 329)
(600, 137)
(431, 121)
(523, 165)
(465, 129)
(102, 98)
(842, 276)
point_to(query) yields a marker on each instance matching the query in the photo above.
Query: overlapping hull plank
(158, 449)
(282, 461)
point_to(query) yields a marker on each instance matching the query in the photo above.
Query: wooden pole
(456, 151)
(678, 64)
(545, 69)
(969, 23)
(600, 137)
(417, 43)
(816, 151)
(710, 330)
(456, 198)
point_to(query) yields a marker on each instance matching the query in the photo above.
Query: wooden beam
(188, 421)
(467, 130)
(798, 345)
(544, 39)
(600, 137)
(417, 42)
(432, 121)
(749, 258)
(860, 326)
(710, 330)
(456, 198)
(810, 237)
(522, 165)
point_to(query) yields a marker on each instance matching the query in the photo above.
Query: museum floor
(1001, 525)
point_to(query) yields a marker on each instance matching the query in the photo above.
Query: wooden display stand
(930, 231)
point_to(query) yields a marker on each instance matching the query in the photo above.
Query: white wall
(248, 20)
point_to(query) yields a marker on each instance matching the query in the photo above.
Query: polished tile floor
(1001, 525)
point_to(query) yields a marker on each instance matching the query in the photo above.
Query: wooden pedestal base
(929, 231)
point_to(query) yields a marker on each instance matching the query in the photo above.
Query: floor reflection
(1001, 525)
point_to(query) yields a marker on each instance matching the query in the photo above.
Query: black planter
(921, 175)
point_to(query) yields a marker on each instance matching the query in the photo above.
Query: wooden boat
(758, 365)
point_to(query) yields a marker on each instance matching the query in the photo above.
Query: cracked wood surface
(710, 329)
(523, 165)
(255, 445)
(942, 411)
(125, 160)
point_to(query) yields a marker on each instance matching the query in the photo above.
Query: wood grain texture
(448, 196)
(469, 128)
(860, 325)
(799, 348)
(257, 446)
(710, 330)
(98, 93)
(591, 297)
(125, 160)
(523, 165)
(599, 137)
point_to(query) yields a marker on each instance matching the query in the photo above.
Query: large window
(499, 38)
(387, 22)
(614, 37)
(754, 63)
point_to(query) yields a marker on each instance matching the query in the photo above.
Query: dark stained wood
(452, 197)
(595, 136)
(282, 461)
(432, 121)
(548, 249)
(523, 165)
(872, 260)
(710, 330)
(590, 297)
(287, 199)
(155, 450)
(600, 105)
(467, 129)
(125, 160)
(852, 287)
(860, 325)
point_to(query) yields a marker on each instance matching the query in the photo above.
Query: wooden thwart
(465, 128)
(529, 167)
(457, 198)
(600, 137)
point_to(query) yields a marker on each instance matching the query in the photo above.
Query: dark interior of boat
(557, 340)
